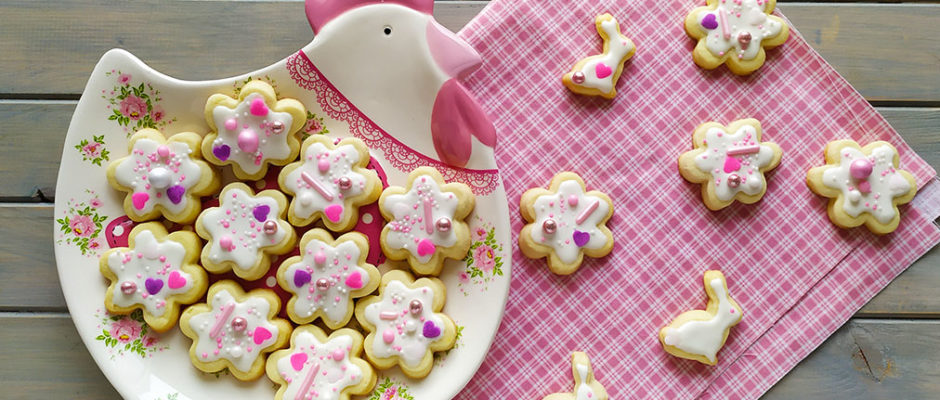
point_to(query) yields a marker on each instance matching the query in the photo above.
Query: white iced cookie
(234, 330)
(597, 75)
(163, 176)
(327, 276)
(244, 231)
(585, 386)
(729, 162)
(405, 324)
(565, 223)
(735, 33)
(252, 131)
(426, 221)
(319, 367)
(699, 334)
(863, 184)
(330, 182)
(156, 274)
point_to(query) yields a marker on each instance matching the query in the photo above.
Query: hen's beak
(451, 53)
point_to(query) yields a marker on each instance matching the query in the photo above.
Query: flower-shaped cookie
(405, 324)
(426, 221)
(729, 162)
(252, 131)
(330, 181)
(320, 367)
(234, 330)
(326, 277)
(585, 386)
(699, 334)
(864, 185)
(564, 223)
(163, 176)
(597, 75)
(157, 273)
(735, 33)
(244, 230)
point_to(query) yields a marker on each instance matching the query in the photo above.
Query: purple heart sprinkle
(175, 193)
(581, 238)
(153, 285)
(709, 22)
(301, 278)
(431, 331)
(261, 212)
(222, 152)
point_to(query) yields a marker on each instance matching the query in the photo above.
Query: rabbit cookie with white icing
(735, 33)
(156, 274)
(330, 182)
(597, 75)
(405, 323)
(426, 221)
(864, 185)
(234, 330)
(699, 334)
(244, 231)
(565, 223)
(163, 176)
(319, 367)
(585, 386)
(252, 131)
(327, 276)
(729, 162)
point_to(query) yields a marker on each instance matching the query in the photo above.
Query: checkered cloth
(796, 275)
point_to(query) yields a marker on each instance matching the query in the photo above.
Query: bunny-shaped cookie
(585, 386)
(597, 75)
(699, 334)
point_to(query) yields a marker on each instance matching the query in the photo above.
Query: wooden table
(889, 52)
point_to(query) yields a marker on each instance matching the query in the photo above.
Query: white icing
(153, 260)
(713, 159)
(239, 348)
(618, 48)
(557, 207)
(742, 17)
(338, 264)
(583, 391)
(144, 163)
(271, 146)
(328, 377)
(706, 337)
(885, 182)
(409, 226)
(234, 219)
(409, 342)
(307, 199)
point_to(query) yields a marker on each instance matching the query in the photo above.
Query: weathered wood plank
(869, 359)
(50, 46)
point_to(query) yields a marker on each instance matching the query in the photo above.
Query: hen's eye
(387, 30)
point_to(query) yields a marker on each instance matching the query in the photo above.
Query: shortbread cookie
(699, 334)
(163, 176)
(426, 221)
(235, 330)
(585, 386)
(320, 367)
(156, 274)
(864, 185)
(252, 131)
(735, 33)
(597, 75)
(327, 276)
(330, 182)
(405, 324)
(729, 162)
(244, 231)
(565, 224)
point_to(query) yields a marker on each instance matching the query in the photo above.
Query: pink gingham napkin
(796, 275)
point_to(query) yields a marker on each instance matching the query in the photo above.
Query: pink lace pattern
(400, 156)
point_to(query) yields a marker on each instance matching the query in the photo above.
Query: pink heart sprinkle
(261, 335)
(732, 164)
(297, 361)
(333, 212)
(140, 200)
(425, 247)
(176, 281)
(354, 280)
(602, 70)
(258, 107)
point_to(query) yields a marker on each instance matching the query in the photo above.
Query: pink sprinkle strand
(226, 312)
(308, 381)
(317, 186)
(734, 151)
(587, 212)
(428, 225)
(388, 315)
(723, 18)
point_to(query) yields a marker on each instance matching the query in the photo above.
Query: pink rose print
(92, 150)
(484, 258)
(464, 277)
(125, 330)
(82, 225)
(124, 79)
(95, 202)
(481, 233)
(157, 114)
(390, 393)
(313, 125)
(149, 339)
(133, 107)
(95, 244)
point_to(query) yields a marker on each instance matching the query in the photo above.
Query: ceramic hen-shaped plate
(387, 74)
